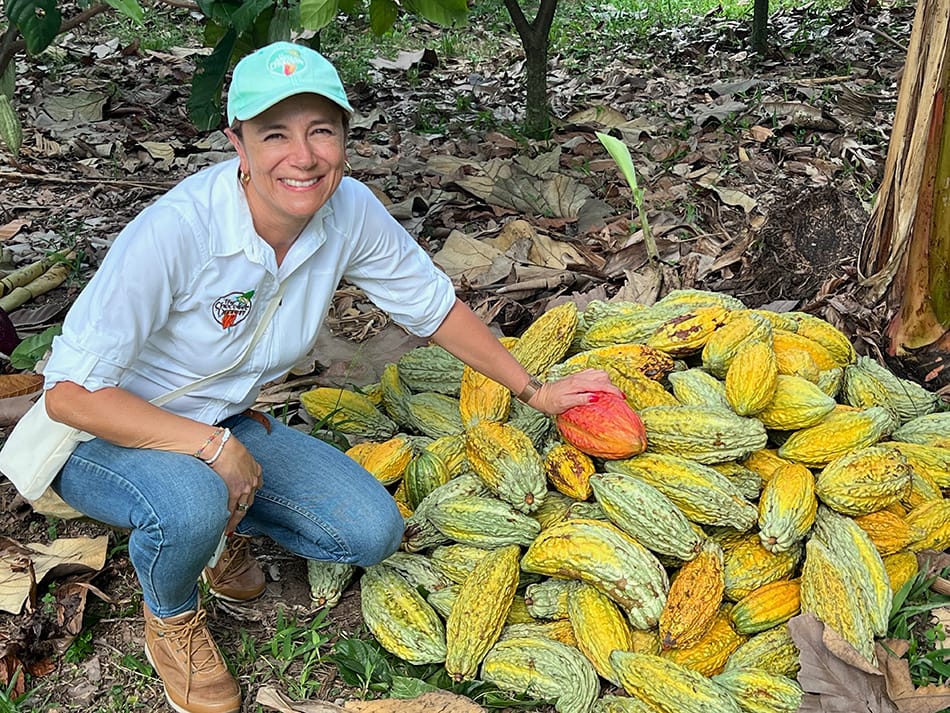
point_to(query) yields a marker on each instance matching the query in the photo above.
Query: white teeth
(300, 184)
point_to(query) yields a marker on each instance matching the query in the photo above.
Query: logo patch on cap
(285, 62)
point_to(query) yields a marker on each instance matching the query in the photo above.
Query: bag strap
(261, 326)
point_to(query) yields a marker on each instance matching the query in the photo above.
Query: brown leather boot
(184, 655)
(237, 576)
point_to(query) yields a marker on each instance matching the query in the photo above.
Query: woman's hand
(555, 397)
(243, 476)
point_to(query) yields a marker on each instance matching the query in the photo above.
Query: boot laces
(193, 639)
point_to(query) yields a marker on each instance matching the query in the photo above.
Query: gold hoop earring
(244, 178)
(347, 167)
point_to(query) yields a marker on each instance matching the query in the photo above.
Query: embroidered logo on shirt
(285, 62)
(232, 309)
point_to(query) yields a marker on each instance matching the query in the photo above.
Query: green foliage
(364, 664)
(32, 349)
(911, 620)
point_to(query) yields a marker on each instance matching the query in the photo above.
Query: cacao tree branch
(10, 47)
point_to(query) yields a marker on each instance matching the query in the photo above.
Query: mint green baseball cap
(277, 71)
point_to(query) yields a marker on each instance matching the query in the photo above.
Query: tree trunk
(760, 23)
(534, 39)
(905, 257)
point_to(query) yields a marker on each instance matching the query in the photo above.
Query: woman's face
(294, 154)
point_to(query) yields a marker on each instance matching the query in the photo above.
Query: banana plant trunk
(905, 256)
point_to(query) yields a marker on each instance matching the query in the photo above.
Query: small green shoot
(621, 155)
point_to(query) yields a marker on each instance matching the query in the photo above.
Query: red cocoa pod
(606, 427)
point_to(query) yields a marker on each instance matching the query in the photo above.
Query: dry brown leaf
(10, 229)
(835, 678)
(900, 687)
(434, 702)
(12, 385)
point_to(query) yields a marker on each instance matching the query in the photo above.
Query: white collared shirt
(180, 292)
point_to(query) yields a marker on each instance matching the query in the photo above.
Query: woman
(178, 297)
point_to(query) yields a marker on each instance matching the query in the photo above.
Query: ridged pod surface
(420, 532)
(901, 567)
(930, 461)
(482, 399)
(772, 650)
(752, 378)
(708, 654)
(723, 345)
(680, 301)
(621, 704)
(827, 335)
(431, 368)
(694, 599)
(766, 607)
(456, 561)
(601, 554)
(704, 495)
(910, 399)
(787, 507)
(479, 611)
(761, 692)
(482, 522)
(930, 430)
(545, 669)
(797, 403)
(764, 462)
(830, 381)
(547, 339)
(451, 449)
(687, 333)
(865, 480)
(670, 687)
(605, 427)
(749, 566)
(401, 620)
(569, 470)
(558, 630)
(786, 343)
(859, 561)
(599, 627)
(888, 531)
(642, 392)
(837, 434)
(506, 460)
(863, 389)
(435, 414)
(327, 581)
(347, 412)
(629, 360)
(616, 329)
(418, 570)
(646, 514)
(395, 395)
(695, 387)
(387, 461)
(932, 518)
(547, 599)
(746, 480)
(828, 594)
(424, 473)
(706, 435)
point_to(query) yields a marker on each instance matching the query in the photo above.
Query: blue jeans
(315, 502)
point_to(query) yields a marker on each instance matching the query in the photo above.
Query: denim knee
(372, 542)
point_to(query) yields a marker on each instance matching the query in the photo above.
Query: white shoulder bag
(38, 447)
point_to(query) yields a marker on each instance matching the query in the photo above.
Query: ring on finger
(243, 506)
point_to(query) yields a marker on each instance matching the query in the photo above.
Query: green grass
(911, 619)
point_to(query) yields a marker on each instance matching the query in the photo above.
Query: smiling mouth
(293, 183)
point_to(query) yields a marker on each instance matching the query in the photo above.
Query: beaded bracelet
(217, 432)
(225, 437)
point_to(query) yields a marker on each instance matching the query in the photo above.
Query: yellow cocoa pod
(787, 507)
(888, 531)
(929, 430)
(557, 630)
(932, 462)
(642, 392)
(482, 399)
(680, 301)
(764, 462)
(767, 606)
(451, 449)
(901, 568)
(762, 692)
(830, 380)
(395, 395)
(506, 460)
(687, 333)
(629, 360)
(797, 403)
(835, 435)
(865, 480)
(479, 611)
(434, 414)
(694, 599)
(932, 518)
(752, 378)
(347, 412)
(784, 342)
(387, 461)
(742, 328)
(749, 566)
(708, 654)
(668, 686)
(599, 627)
(772, 650)
(545, 342)
(697, 387)
(569, 470)
(827, 335)
(922, 488)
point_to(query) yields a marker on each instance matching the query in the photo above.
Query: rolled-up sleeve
(394, 271)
